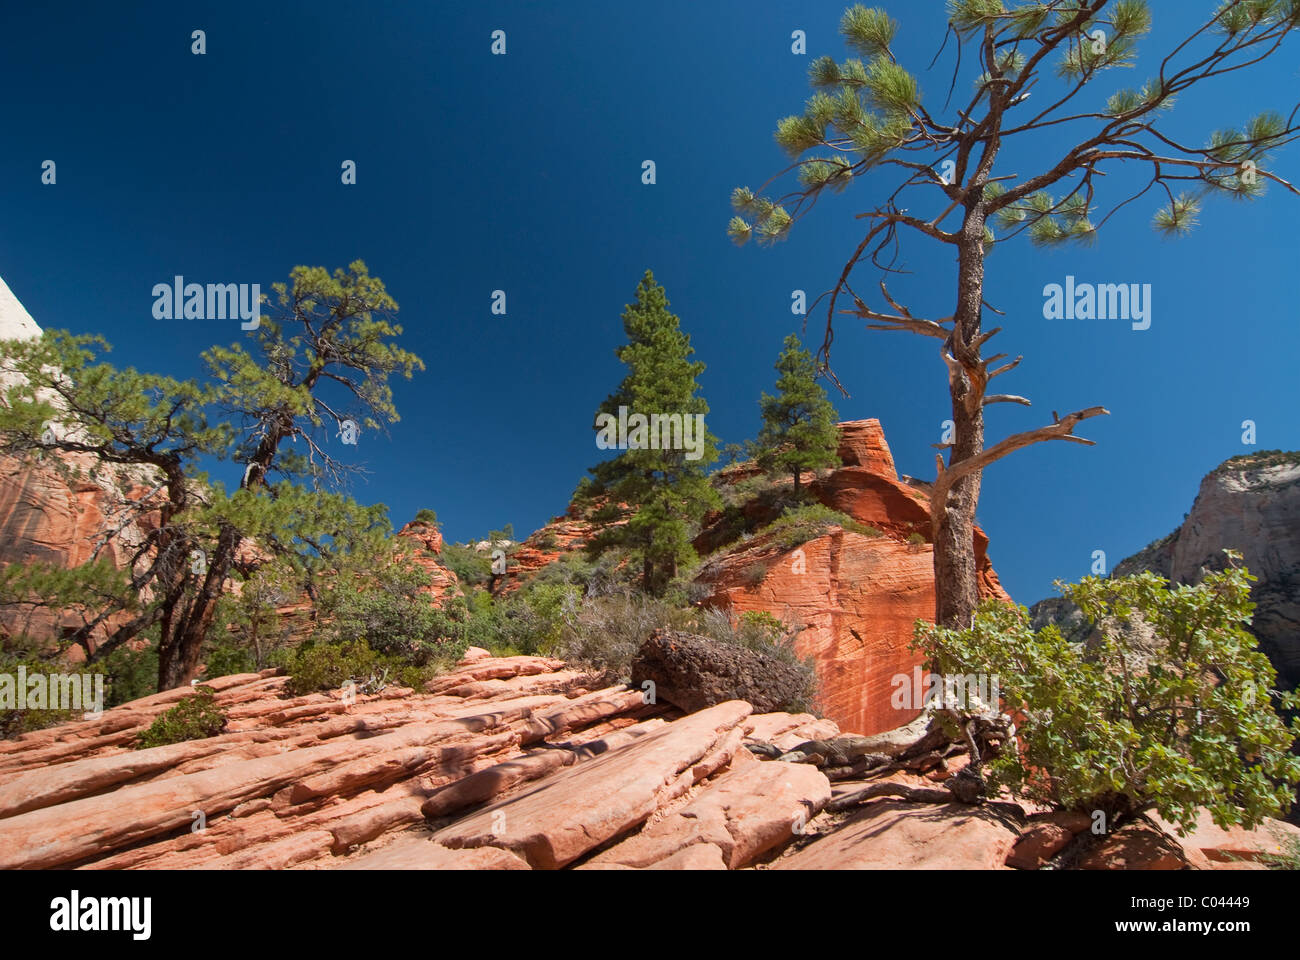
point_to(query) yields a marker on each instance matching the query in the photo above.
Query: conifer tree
(656, 489)
(321, 361)
(799, 424)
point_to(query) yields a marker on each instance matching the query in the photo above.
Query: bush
(15, 722)
(799, 525)
(427, 516)
(1166, 708)
(473, 568)
(547, 541)
(321, 666)
(193, 718)
(391, 613)
(226, 657)
(916, 538)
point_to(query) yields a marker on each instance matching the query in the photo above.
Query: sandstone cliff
(855, 596)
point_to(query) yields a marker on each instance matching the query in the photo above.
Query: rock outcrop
(504, 763)
(855, 596)
(427, 541)
(1250, 504)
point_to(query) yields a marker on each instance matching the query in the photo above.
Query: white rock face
(15, 322)
(1254, 508)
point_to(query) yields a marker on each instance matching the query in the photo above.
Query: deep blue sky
(522, 173)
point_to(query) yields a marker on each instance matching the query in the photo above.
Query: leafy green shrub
(427, 516)
(131, 674)
(473, 568)
(390, 611)
(226, 657)
(916, 538)
(193, 718)
(606, 632)
(1166, 708)
(15, 722)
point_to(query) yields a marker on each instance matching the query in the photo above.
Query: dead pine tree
(1035, 60)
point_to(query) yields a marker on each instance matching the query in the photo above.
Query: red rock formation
(561, 536)
(48, 517)
(427, 540)
(503, 763)
(855, 596)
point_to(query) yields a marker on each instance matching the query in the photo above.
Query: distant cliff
(1250, 504)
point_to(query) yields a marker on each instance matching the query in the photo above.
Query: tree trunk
(955, 577)
(180, 646)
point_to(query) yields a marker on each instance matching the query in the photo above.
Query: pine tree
(656, 490)
(323, 359)
(1028, 63)
(799, 424)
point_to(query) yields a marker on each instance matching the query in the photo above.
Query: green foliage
(383, 601)
(193, 718)
(546, 540)
(799, 525)
(326, 355)
(1179, 217)
(473, 568)
(662, 493)
(799, 424)
(427, 516)
(1167, 708)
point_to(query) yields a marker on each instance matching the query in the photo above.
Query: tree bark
(956, 579)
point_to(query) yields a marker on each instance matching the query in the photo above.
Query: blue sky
(523, 173)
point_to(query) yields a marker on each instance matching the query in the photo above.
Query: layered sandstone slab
(893, 835)
(574, 811)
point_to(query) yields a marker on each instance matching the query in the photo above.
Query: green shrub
(1166, 708)
(916, 538)
(799, 525)
(606, 632)
(391, 612)
(427, 516)
(193, 718)
(15, 722)
(473, 568)
(318, 666)
(547, 541)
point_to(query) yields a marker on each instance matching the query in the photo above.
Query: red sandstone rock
(856, 597)
(581, 807)
(743, 814)
(1233, 844)
(1138, 845)
(421, 853)
(892, 835)
(1038, 844)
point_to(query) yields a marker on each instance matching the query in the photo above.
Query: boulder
(693, 672)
